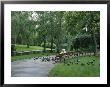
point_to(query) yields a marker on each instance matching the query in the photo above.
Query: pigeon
(82, 64)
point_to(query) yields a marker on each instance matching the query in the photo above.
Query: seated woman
(63, 51)
(61, 54)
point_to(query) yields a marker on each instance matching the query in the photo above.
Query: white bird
(85, 28)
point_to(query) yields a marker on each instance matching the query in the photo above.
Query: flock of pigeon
(78, 62)
(47, 59)
(55, 59)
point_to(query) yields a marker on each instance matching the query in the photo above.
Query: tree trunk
(15, 40)
(27, 45)
(58, 49)
(95, 44)
(28, 42)
(51, 45)
(94, 38)
(44, 44)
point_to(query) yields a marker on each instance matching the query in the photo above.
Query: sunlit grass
(24, 48)
(77, 70)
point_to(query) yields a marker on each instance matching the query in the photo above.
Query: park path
(30, 68)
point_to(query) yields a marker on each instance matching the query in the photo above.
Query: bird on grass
(71, 62)
(88, 63)
(93, 60)
(78, 60)
(76, 63)
(68, 64)
(82, 64)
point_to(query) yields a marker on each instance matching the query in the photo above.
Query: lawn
(24, 48)
(14, 58)
(77, 70)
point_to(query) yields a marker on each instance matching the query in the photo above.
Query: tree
(60, 28)
(77, 21)
(22, 27)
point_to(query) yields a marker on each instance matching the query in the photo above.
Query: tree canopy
(72, 30)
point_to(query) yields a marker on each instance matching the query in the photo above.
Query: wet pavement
(31, 68)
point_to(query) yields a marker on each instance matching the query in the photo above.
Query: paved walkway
(30, 68)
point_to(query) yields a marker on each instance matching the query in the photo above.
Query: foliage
(22, 27)
(56, 27)
(83, 22)
(83, 41)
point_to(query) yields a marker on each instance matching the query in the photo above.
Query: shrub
(13, 47)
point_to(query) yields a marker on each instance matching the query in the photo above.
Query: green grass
(24, 48)
(14, 58)
(76, 70)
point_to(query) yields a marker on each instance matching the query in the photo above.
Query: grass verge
(77, 70)
(24, 48)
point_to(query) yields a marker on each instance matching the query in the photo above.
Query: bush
(13, 47)
(48, 45)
